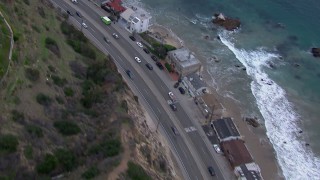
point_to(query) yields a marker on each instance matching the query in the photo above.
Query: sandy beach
(255, 138)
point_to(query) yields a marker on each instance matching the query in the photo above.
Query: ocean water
(281, 84)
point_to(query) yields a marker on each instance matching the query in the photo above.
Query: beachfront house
(135, 20)
(184, 61)
(248, 171)
(225, 129)
(195, 84)
(113, 6)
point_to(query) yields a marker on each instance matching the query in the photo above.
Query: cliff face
(228, 23)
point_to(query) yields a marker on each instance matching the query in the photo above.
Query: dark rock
(228, 23)
(271, 65)
(244, 69)
(252, 121)
(237, 65)
(315, 52)
(307, 144)
(300, 131)
(296, 65)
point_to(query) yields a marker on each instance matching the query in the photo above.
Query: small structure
(184, 61)
(226, 129)
(114, 6)
(249, 171)
(195, 84)
(135, 20)
(236, 152)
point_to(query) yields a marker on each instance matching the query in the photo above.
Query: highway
(191, 150)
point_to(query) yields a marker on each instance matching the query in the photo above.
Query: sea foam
(281, 121)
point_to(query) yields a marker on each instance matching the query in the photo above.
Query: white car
(217, 148)
(84, 25)
(75, 1)
(139, 44)
(172, 96)
(115, 35)
(137, 59)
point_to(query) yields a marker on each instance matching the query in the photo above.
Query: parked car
(106, 40)
(129, 73)
(70, 13)
(78, 14)
(115, 35)
(154, 58)
(139, 44)
(160, 65)
(149, 66)
(211, 171)
(217, 148)
(75, 1)
(173, 107)
(84, 25)
(132, 38)
(137, 59)
(174, 130)
(182, 91)
(146, 50)
(176, 85)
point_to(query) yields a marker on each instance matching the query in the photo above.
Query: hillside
(65, 110)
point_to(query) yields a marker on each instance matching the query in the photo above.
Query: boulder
(315, 52)
(228, 23)
(252, 121)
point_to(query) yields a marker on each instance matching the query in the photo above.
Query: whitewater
(295, 159)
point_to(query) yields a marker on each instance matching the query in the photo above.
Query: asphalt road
(190, 148)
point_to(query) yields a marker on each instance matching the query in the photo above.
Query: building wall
(183, 71)
(140, 26)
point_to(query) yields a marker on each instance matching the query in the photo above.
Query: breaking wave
(281, 121)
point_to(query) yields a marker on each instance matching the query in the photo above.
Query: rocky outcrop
(252, 121)
(228, 23)
(315, 52)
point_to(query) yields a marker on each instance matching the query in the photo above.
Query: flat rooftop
(185, 57)
(236, 152)
(225, 128)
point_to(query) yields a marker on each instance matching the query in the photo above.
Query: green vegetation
(67, 159)
(34, 130)
(136, 172)
(169, 68)
(91, 94)
(59, 81)
(17, 116)
(52, 45)
(91, 173)
(48, 164)
(32, 74)
(28, 152)
(59, 100)
(108, 148)
(43, 99)
(5, 47)
(8, 143)
(67, 128)
(68, 91)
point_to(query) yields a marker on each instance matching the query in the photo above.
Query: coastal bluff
(228, 23)
(315, 52)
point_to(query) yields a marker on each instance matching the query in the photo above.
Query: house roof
(126, 14)
(226, 129)
(184, 57)
(116, 5)
(249, 175)
(236, 152)
(196, 81)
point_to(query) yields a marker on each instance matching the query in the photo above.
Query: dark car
(78, 14)
(160, 65)
(106, 40)
(173, 107)
(149, 66)
(154, 58)
(176, 85)
(129, 73)
(146, 50)
(132, 38)
(182, 91)
(175, 131)
(211, 171)
(70, 13)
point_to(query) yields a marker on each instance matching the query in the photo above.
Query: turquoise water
(277, 32)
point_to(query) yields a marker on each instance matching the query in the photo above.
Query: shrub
(41, 12)
(91, 173)
(34, 130)
(66, 158)
(68, 91)
(28, 152)
(43, 99)
(136, 172)
(26, 2)
(8, 143)
(49, 164)
(124, 105)
(32, 74)
(52, 45)
(108, 148)
(59, 100)
(59, 81)
(169, 47)
(17, 116)
(169, 68)
(67, 128)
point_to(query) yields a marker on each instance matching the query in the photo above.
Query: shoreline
(255, 139)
